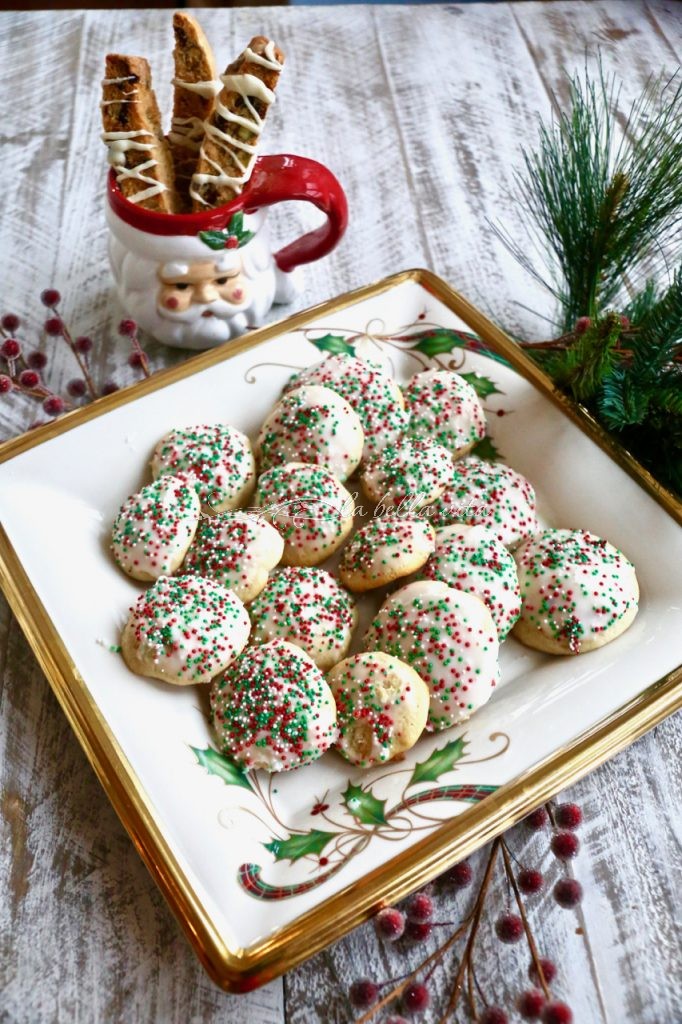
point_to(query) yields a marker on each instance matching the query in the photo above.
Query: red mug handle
(284, 177)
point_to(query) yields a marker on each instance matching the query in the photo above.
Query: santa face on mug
(204, 288)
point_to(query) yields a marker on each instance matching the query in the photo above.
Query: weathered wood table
(421, 112)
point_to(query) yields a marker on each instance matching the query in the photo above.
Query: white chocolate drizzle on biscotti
(118, 144)
(187, 132)
(266, 60)
(209, 88)
(247, 86)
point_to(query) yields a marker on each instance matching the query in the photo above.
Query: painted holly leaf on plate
(485, 449)
(333, 343)
(441, 761)
(299, 845)
(364, 806)
(218, 764)
(483, 386)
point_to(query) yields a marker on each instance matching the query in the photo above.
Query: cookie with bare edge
(376, 398)
(154, 528)
(217, 459)
(237, 550)
(448, 638)
(195, 88)
(385, 550)
(309, 508)
(233, 130)
(305, 606)
(483, 493)
(444, 407)
(578, 592)
(312, 424)
(471, 558)
(133, 133)
(381, 707)
(273, 709)
(408, 476)
(184, 630)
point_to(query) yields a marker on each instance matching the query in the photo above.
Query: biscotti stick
(232, 133)
(133, 133)
(196, 86)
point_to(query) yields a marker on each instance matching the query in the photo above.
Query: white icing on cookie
(490, 494)
(217, 459)
(272, 709)
(307, 607)
(154, 528)
(309, 508)
(444, 407)
(384, 550)
(449, 639)
(312, 424)
(471, 558)
(576, 589)
(376, 398)
(381, 707)
(237, 550)
(409, 475)
(185, 629)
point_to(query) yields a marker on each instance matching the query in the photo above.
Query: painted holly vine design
(425, 342)
(361, 817)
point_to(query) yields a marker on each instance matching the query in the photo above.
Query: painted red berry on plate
(37, 360)
(460, 875)
(556, 1013)
(363, 993)
(568, 892)
(50, 297)
(565, 845)
(530, 1004)
(54, 326)
(416, 998)
(420, 907)
(390, 923)
(509, 928)
(53, 405)
(10, 321)
(494, 1015)
(530, 881)
(537, 819)
(10, 348)
(29, 378)
(548, 971)
(127, 328)
(83, 344)
(568, 816)
(5, 384)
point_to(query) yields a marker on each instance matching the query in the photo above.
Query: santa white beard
(190, 328)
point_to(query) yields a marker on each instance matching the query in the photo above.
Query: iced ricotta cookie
(154, 528)
(309, 508)
(385, 550)
(184, 629)
(237, 550)
(471, 558)
(490, 494)
(381, 707)
(376, 398)
(312, 424)
(578, 592)
(444, 407)
(307, 607)
(448, 638)
(273, 709)
(409, 475)
(217, 459)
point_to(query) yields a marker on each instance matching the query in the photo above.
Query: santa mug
(195, 280)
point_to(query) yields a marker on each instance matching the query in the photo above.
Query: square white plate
(260, 871)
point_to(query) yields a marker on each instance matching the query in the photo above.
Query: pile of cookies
(207, 156)
(451, 544)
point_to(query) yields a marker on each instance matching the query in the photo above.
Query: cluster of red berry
(24, 369)
(415, 922)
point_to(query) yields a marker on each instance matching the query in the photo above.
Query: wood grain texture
(421, 113)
